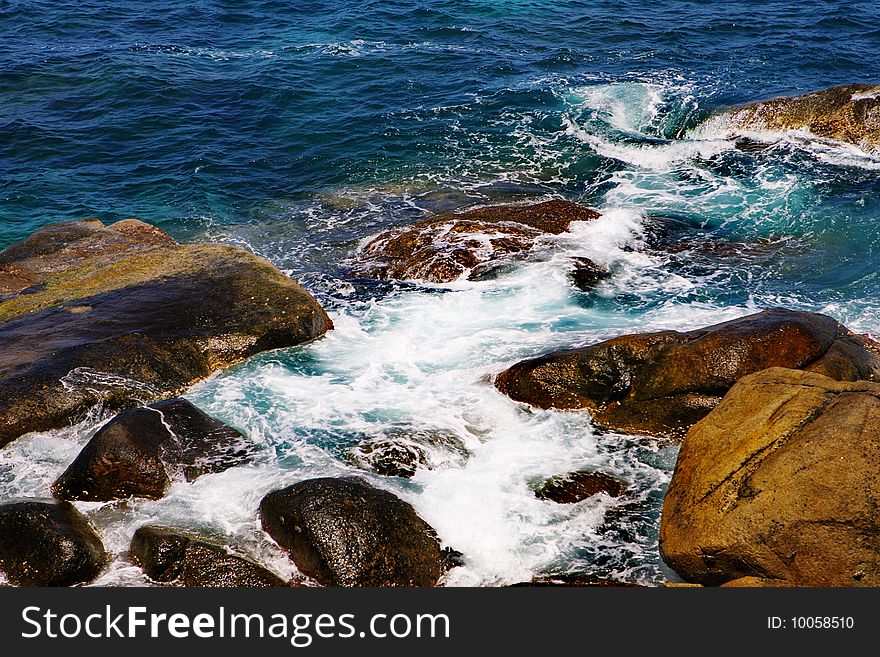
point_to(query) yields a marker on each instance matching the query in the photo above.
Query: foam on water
(419, 358)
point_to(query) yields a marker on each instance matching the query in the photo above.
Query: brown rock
(849, 113)
(345, 532)
(576, 486)
(173, 556)
(586, 274)
(445, 248)
(122, 315)
(137, 452)
(779, 482)
(48, 543)
(662, 383)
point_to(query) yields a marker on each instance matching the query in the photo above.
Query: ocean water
(299, 129)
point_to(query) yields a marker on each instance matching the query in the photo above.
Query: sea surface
(299, 129)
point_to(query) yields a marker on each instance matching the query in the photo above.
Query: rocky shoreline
(777, 413)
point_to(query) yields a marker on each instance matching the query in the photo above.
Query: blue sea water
(298, 129)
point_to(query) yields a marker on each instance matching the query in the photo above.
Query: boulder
(849, 113)
(48, 543)
(586, 274)
(121, 315)
(401, 453)
(345, 532)
(579, 485)
(661, 383)
(137, 452)
(172, 556)
(779, 482)
(447, 248)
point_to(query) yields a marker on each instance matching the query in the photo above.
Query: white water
(418, 359)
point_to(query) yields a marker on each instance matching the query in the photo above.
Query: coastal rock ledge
(123, 315)
(779, 484)
(660, 384)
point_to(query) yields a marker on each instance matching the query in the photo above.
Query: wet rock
(576, 580)
(401, 453)
(779, 482)
(577, 486)
(172, 556)
(122, 315)
(661, 383)
(345, 532)
(849, 113)
(756, 582)
(586, 274)
(138, 451)
(446, 248)
(48, 543)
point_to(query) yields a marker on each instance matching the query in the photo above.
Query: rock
(577, 486)
(586, 274)
(345, 532)
(446, 248)
(849, 113)
(123, 315)
(779, 482)
(756, 582)
(660, 384)
(576, 580)
(48, 543)
(173, 556)
(137, 452)
(401, 453)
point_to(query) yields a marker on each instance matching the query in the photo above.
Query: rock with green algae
(121, 315)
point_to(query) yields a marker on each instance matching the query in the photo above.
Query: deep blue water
(299, 128)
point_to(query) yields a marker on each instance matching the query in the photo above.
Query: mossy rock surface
(123, 315)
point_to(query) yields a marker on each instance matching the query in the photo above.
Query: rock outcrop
(579, 485)
(779, 483)
(849, 113)
(48, 543)
(176, 557)
(473, 243)
(122, 315)
(345, 532)
(139, 451)
(661, 383)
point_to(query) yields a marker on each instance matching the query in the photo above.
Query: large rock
(662, 383)
(446, 248)
(176, 557)
(345, 532)
(849, 113)
(122, 315)
(48, 543)
(139, 451)
(780, 482)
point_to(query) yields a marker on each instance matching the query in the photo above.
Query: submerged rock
(172, 556)
(445, 248)
(662, 383)
(345, 532)
(137, 452)
(48, 543)
(579, 485)
(779, 483)
(401, 453)
(576, 580)
(849, 113)
(122, 315)
(586, 274)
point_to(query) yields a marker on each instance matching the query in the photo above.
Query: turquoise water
(299, 129)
